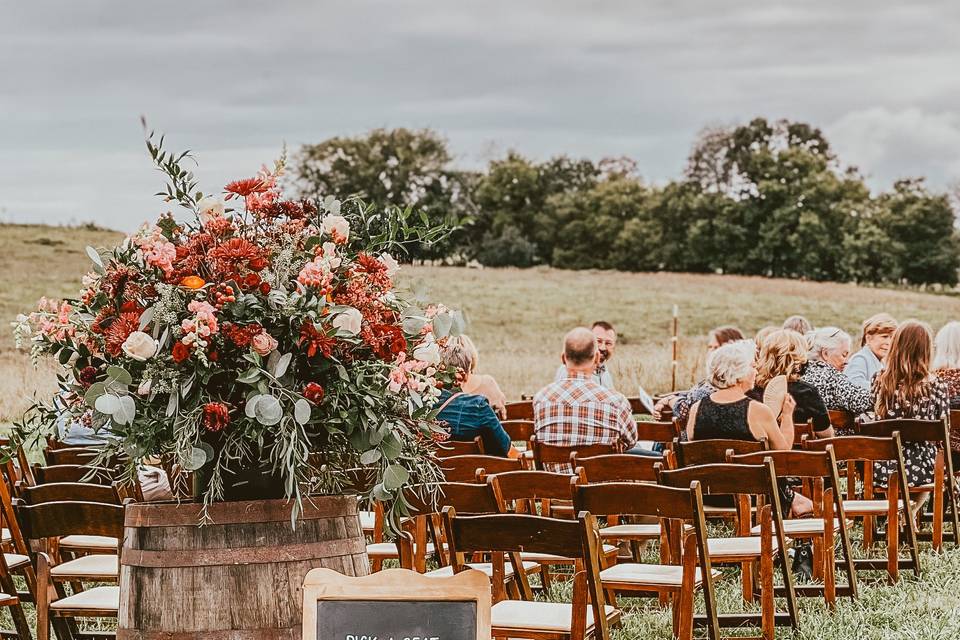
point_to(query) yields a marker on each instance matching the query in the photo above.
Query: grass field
(517, 318)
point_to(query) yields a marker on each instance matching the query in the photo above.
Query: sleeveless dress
(722, 420)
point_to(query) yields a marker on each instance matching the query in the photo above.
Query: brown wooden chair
(843, 422)
(662, 432)
(9, 599)
(539, 491)
(555, 457)
(678, 576)
(43, 525)
(713, 451)
(522, 410)
(16, 553)
(450, 448)
(466, 468)
(818, 470)
(800, 431)
(379, 550)
(859, 453)
(521, 433)
(71, 455)
(743, 482)
(945, 501)
(72, 473)
(587, 614)
(638, 408)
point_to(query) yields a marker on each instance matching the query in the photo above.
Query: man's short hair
(579, 346)
(603, 324)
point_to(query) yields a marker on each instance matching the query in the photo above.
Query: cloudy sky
(235, 80)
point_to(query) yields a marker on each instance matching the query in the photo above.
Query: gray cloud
(234, 80)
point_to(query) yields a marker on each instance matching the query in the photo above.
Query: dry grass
(517, 317)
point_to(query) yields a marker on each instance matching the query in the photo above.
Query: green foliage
(762, 198)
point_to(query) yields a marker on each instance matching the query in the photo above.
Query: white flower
(140, 346)
(392, 265)
(332, 223)
(348, 321)
(210, 208)
(330, 255)
(145, 386)
(428, 352)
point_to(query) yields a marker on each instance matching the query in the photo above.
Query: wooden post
(674, 344)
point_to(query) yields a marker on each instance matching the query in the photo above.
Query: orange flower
(193, 282)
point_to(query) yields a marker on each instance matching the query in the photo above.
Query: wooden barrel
(240, 576)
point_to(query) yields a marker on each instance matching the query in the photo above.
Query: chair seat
(485, 567)
(743, 547)
(95, 599)
(549, 558)
(538, 616)
(656, 575)
(388, 550)
(868, 507)
(367, 521)
(88, 567)
(710, 511)
(801, 527)
(5, 537)
(15, 560)
(89, 543)
(635, 531)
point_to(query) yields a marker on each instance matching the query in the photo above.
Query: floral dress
(952, 378)
(919, 457)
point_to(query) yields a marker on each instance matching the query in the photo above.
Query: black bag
(803, 561)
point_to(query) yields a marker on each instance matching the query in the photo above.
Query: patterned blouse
(836, 389)
(952, 378)
(919, 457)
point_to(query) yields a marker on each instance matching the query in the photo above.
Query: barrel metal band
(285, 633)
(241, 555)
(178, 515)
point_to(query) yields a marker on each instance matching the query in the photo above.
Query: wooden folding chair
(713, 451)
(818, 470)
(586, 615)
(466, 468)
(860, 452)
(71, 455)
(843, 422)
(72, 473)
(11, 601)
(380, 550)
(522, 410)
(944, 487)
(678, 577)
(661, 432)
(521, 433)
(451, 448)
(533, 491)
(555, 457)
(800, 431)
(744, 481)
(17, 553)
(43, 525)
(79, 545)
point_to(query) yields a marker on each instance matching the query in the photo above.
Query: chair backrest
(522, 410)
(70, 491)
(842, 420)
(638, 407)
(726, 479)
(615, 467)
(801, 464)
(662, 432)
(57, 519)
(866, 449)
(712, 451)
(465, 468)
(72, 473)
(555, 457)
(70, 455)
(518, 430)
(466, 497)
(801, 430)
(520, 489)
(910, 430)
(638, 499)
(450, 448)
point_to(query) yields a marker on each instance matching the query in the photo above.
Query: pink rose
(263, 343)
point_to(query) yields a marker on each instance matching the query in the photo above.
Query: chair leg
(44, 592)
(746, 574)
(893, 548)
(767, 603)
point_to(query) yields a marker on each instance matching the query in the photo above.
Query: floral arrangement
(258, 333)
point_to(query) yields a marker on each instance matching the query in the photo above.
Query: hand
(789, 404)
(659, 407)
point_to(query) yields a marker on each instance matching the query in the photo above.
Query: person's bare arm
(763, 424)
(692, 420)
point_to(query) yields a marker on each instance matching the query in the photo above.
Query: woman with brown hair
(907, 388)
(783, 357)
(875, 342)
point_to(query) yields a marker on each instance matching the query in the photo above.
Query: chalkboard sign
(395, 604)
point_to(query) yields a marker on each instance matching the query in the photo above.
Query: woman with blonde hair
(784, 355)
(875, 345)
(906, 388)
(463, 354)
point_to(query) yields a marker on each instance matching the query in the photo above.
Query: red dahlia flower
(244, 188)
(313, 392)
(216, 416)
(119, 330)
(315, 340)
(88, 375)
(180, 352)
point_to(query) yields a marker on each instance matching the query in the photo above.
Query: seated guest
(799, 324)
(762, 335)
(829, 351)
(606, 344)
(875, 344)
(468, 414)
(784, 353)
(577, 410)
(681, 402)
(729, 413)
(906, 388)
(467, 358)
(946, 364)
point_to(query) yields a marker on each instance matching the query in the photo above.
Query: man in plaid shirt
(576, 410)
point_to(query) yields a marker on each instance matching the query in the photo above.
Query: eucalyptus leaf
(272, 360)
(370, 457)
(127, 411)
(413, 325)
(146, 317)
(268, 411)
(282, 365)
(96, 390)
(249, 376)
(390, 447)
(196, 459)
(301, 411)
(95, 257)
(173, 404)
(442, 324)
(395, 477)
(107, 404)
(250, 409)
(119, 374)
(380, 493)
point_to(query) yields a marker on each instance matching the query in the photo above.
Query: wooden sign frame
(395, 585)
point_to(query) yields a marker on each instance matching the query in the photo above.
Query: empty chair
(450, 448)
(465, 468)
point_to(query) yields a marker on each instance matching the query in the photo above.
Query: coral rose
(140, 346)
(263, 343)
(336, 227)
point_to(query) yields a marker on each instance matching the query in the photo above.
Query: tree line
(769, 199)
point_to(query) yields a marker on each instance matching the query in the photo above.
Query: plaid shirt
(577, 410)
